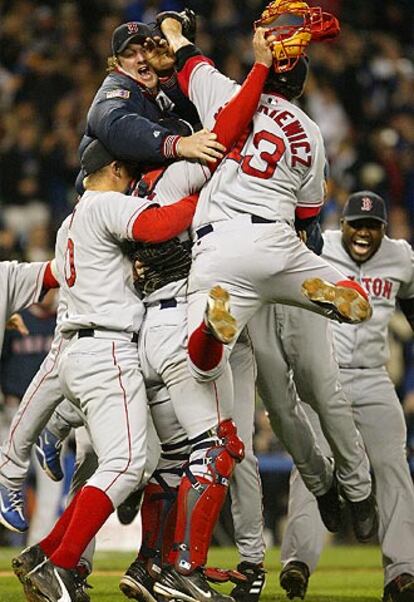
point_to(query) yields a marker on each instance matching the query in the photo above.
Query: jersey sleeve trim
(169, 147)
(190, 67)
(134, 216)
(302, 212)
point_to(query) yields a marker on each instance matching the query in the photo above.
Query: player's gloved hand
(156, 265)
(309, 231)
(187, 18)
(202, 145)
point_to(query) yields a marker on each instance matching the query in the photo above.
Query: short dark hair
(289, 84)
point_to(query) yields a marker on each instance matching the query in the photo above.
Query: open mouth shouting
(362, 238)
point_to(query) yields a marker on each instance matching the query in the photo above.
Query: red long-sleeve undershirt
(49, 281)
(307, 212)
(158, 224)
(236, 115)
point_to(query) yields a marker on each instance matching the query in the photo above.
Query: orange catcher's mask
(302, 24)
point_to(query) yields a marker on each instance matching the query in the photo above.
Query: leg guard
(159, 508)
(159, 501)
(200, 498)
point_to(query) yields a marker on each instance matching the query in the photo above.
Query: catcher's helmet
(289, 84)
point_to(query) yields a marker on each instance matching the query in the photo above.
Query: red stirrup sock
(204, 349)
(92, 509)
(52, 541)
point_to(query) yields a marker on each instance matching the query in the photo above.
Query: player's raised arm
(234, 118)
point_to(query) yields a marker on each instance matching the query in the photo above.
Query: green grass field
(344, 573)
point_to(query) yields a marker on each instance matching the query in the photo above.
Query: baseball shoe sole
(134, 590)
(294, 580)
(220, 322)
(348, 304)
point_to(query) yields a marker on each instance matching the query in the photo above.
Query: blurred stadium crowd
(361, 93)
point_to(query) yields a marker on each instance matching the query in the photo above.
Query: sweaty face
(133, 61)
(361, 238)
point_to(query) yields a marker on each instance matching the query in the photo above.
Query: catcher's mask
(289, 84)
(297, 24)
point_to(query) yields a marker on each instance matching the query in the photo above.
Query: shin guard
(157, 512)
(201, 496)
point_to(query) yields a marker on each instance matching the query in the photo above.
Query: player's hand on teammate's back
(262, 48)
(202, 145)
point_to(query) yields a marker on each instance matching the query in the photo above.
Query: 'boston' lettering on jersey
(294, 132)
(379, 287)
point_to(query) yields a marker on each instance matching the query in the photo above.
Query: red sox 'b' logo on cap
(133, 27)
(366, 204)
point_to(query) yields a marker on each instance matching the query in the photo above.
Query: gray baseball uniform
(41, 398)
(284, 340)
(362, 352)
(99, 373)
(279, 168)
(164, 362)
(21, 285)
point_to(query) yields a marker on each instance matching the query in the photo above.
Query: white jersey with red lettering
(388, 274)
(279, 166)
(97, 277)
(362, 352)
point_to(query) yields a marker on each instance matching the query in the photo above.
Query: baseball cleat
(219, 321)
(11, 509)
(330, 507)
(250, 589)
(400, 589)
(137, 583)
(364, 518)
(294, 579)
(51, 583)
(190, 588)
(27, 560)
(346, 300)
(48, 449)
(129, 508)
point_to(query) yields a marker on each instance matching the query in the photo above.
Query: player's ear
(117, 168)
(341, 223)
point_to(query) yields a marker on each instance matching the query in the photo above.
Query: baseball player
(125, 109)
(241, 231)
(386, 267)
(133, 117)
(164, 230)
(102, 319)
(23, 284)
(212, 438)
(159, 344)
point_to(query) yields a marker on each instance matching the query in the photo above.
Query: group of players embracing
(192, 269)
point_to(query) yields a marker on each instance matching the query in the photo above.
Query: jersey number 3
(70, 270)
(269, 159)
